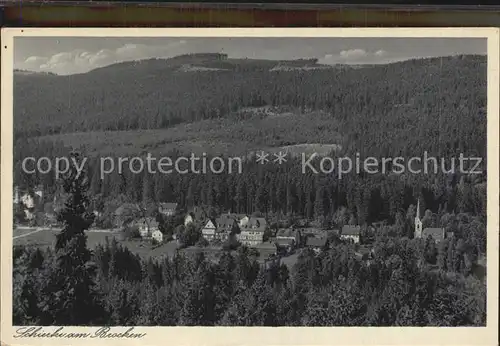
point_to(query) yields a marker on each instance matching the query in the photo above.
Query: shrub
(131, 232)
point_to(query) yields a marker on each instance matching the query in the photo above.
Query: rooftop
(225, 221)
(316, 242)
(255, 224)
(147, 221)
(266, 246)
(351, 230)
(284, 242)
(168, 205)
(435, 233)
(287, 232)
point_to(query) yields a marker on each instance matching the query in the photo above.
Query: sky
(70, 55)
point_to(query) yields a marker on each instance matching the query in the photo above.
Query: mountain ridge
(415, 100)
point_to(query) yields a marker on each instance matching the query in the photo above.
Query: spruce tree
(70, 296)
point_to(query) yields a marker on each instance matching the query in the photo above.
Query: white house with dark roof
(147, 226)
(220, 228)
(157, 235)
(350, 232)
(208, 231)
(252, 233)
(288, 234)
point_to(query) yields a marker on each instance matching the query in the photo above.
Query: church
(438, 234)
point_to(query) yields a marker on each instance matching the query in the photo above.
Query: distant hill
(433, 104)
(18, 72)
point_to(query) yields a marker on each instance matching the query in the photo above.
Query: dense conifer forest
(436, 105)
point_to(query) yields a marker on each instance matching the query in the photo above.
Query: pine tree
(70, 296)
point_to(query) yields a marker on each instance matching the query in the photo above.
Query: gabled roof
(168, 206)
(351, 230)
(284, 242)
(262, 222)
(238, 217)
(255, 224)
(316, 242)
(210, 220)
(147, 221)
(435, 233)
(266, 246)
(225, 221)
(287, 232)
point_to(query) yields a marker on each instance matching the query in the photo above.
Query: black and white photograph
(248, 181)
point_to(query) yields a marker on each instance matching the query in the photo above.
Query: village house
(188, 219)
(285, 245)
(438, 234)
(147, 226)
(28, 197)
(313, 231)
(316, 244)
(28, 203)
(157, 235)
(252, 232)
(332, 232)
(225, 226)
(208, 231)
(350, 232)
(167, 209)
(220, 228)
(266, 249)
(288, 236)
(242, 219)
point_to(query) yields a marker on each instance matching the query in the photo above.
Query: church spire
(418, 209)
(418, 222)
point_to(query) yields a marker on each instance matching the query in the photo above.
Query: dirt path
(27, 234)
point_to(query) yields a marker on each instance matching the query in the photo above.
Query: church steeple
(418, 222)
(418, 209)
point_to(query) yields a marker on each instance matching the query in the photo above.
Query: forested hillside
(435, 104)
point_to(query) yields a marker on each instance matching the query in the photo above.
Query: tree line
(406, 282)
